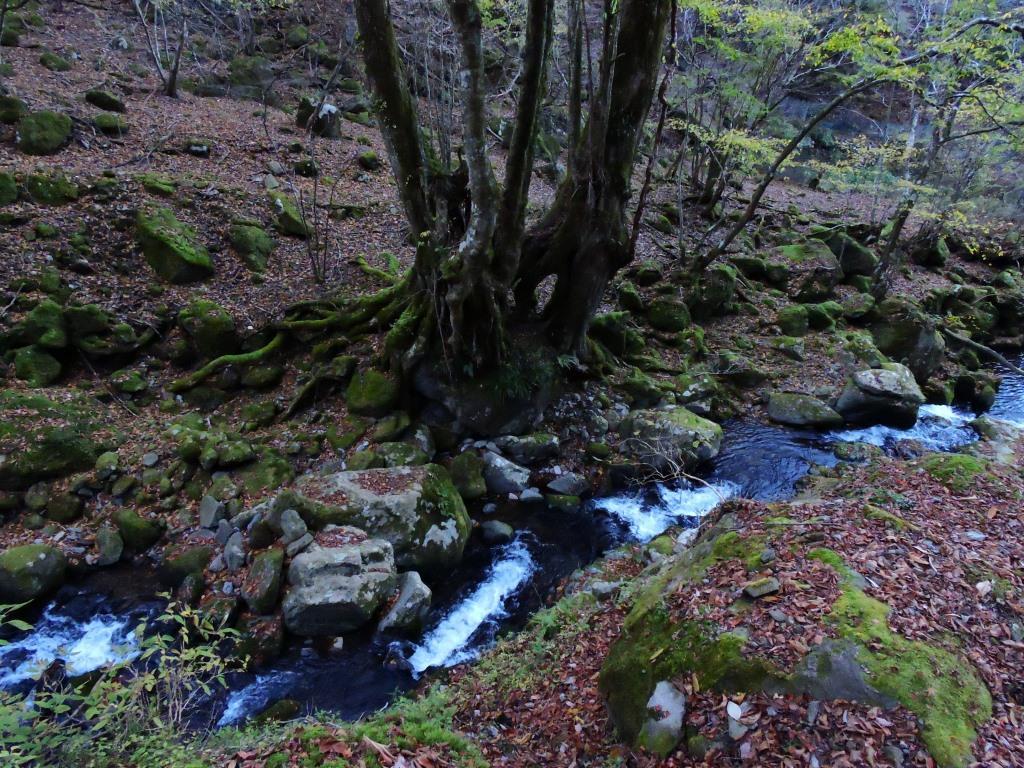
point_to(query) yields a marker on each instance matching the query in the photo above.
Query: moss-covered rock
(36, 367)
(467, 473)
(262, 585)
(369, 160)
(615, 331)
(29, 572)
(957, 471)
(210, 327)
(715, 292)
(252, 243)
(54, 62)
(171, 248)
(8, 188)
(51, 188)
(41, 439)
(110, 124)
(12, 109)
(372, 393)
(792, 320)
(810, 269)
(908, 335)
(105, 100)
(669, 439)
(668, 315)
(823, 316)
(184, 562)
(138, 533)
(288, 219)
(799, 410)
(43, 133)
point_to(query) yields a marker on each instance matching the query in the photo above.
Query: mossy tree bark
(461, 282)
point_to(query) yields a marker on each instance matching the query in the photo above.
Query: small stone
(894, 755)
(150, 459)
(496, 532)
(217, 564)
(490, 508)
(603, 590)
(812, 712)
(234, 552)
(109, 545)
(761, 587)
(531, 495)
(299, 545)
(293, 527)
(224, 531)
(664, 726)
(767, 555)
(211, 512)
(228, 588)
(975, 535)
(569, 484)
(778, 615)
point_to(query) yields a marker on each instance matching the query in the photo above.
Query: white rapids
(103, 640)
(449, 642)
(646, 519)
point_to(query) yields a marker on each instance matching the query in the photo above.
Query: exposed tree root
(243, 358)
(983, 349)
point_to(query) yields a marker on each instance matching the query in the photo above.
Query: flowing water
(494, 589)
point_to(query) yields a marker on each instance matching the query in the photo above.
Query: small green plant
(137, 713)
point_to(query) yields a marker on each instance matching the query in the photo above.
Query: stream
(495, 589)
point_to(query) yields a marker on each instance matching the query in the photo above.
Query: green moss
(105, 100)
(158, 184)
(893, 521)
(171, 247)
(43, 133)
(937, 685)
(51, 188)
(210, 327)
(110, 124)
(957, 471)
(53, 62)
(12, 109)
(668, 315)
(36, 367)
(466, 471)
(30, 571)
(8, 188)
(252, 244)
(663, 650)
(288, 219)
(137, 532)
(372, 393)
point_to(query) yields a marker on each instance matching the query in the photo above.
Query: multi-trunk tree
(478, 265)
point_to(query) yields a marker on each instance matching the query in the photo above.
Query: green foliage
(134, 713)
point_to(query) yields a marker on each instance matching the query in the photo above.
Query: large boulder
(416, 509)
(808, 270)
(905, 333)
(43, 133)
(29, 572)
(338, 588)
(41, 439)
(887, 395)
(715, 292)
(171, 248)
(503, 476)
(854, 258)
(669, 439)
(797, 410)
(210, 327)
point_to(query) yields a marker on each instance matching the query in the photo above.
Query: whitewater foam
(448, 643)
(255, 696)
(646, 519)
(938, 427)
(103, 640)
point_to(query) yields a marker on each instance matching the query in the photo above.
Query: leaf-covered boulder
(29, 572)
(416, 509)
(43, 133)
(171, 248)
(42, 439)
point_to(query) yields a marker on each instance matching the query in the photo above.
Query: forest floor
(534, 700)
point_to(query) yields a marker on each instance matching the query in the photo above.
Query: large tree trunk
(583, 240)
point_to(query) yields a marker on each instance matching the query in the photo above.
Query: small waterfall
(449, 642)
(102, 640)
(938, 428)
(256, 696)
(645, 518)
